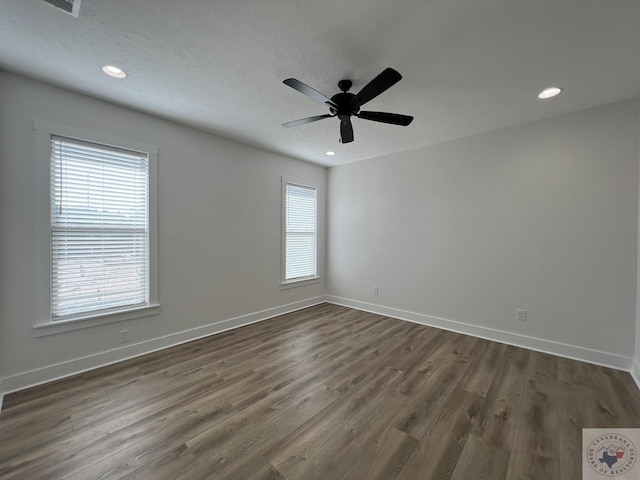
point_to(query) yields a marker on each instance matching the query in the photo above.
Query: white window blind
(99, 228)
(300, 232)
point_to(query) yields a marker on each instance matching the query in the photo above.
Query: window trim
(299, 282)
(44, 325)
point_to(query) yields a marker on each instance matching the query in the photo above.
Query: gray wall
(541, 216)
(219, 205)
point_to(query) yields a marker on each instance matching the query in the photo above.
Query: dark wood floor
(325, 393)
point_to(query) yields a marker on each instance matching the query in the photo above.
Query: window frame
(297, 282)
(45, 325)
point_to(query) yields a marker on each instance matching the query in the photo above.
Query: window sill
(53, 328)
(299, 283)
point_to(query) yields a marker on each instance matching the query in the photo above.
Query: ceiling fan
(345, 104)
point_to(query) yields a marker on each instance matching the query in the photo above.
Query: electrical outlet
(124, 336)
(375, 290)
(521, 315)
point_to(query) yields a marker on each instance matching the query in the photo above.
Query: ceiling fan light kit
(344, 105)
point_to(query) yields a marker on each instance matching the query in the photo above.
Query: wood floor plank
(16, 403)
(335, 457)
(122, 409)
(418, 366)
(165, 467)
(421, 411)
(529, 466)
(326, 392)
(222, 448)
(49, 404)
(572, 372)
(28, 431)
(86, 447)
(480, 461)
(536, 448)
(539, 409)
(498, 419)
(248, 424)
(575, 413)
(442, 445)
(255, 467)
(287, 454)
(383, 456)
(478, 380)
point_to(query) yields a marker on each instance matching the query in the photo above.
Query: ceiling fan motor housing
(343, 101)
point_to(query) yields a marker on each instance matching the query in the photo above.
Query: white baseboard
(532, 343)
(78, 365)
(635, 372)
(50, 373)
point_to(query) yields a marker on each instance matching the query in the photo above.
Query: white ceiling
(469, 66)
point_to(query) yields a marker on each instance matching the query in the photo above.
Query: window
(99, 228)
(100, 237)
(300, 233)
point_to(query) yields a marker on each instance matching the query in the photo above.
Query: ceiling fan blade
(384, 117)
(346, 129)
(303, 121)
(375, 87)
(308, 91)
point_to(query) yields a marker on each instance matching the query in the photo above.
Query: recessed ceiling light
(113, 71)
(549, 92)
(330, 153)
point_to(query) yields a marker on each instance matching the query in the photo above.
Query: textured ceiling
(469, 66)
